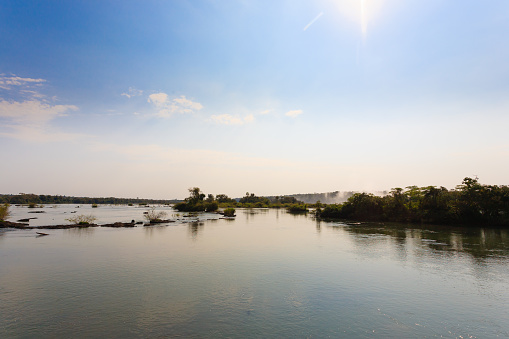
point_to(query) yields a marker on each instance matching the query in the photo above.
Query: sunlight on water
(265, 274)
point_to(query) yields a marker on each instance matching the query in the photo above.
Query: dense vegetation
(470, 203)
(4, 212)
(229, 212)
(26, 199)
(196, 202)
(297, 208)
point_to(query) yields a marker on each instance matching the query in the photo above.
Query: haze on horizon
(149, 98)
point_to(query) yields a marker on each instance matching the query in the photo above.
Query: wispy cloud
(227, 119)
(132, 92)
(30, 119)
(267, 111)
(166, 107)
(294, 113)
(32, 111)
(313, 21)
(7, 82)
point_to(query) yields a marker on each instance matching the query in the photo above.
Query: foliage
(224, 199)
(470, 203)
(154, 216)
(196, 202)
(4, 212)
(251, 200)
(297, 208)
(82, 219)
(229, 212)
(211, 206)
(94, 205)
(25, 199)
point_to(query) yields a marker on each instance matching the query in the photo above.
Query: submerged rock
(10, 224)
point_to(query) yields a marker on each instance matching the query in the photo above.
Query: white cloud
(267, 111)
(30, 119)
(32, 112)
(6, 82)
(132, 92)
(166, 107)
(227, 119)
(294, 113)
(158, 99)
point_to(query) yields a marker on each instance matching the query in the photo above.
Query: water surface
(265, 274)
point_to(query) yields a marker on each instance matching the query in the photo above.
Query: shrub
(82, 219)
(295, 208)
(155, 216)
(333, 211)
(94, 205)
(211, 206)
(4, 212)
(229, 212)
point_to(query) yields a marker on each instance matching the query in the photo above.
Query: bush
(94, 205)
(295, 208)
(154, 216)
(211, 206)
(229, 212)
(4, 212)
(82, 219)
(333, 211)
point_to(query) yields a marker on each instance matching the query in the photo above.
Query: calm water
(265, 274)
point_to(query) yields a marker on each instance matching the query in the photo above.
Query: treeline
(26, 199)
(470, 203)
(328, 197)
(198, 201)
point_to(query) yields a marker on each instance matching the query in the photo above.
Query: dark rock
(26, 220)
(9, 224)
(119, 224)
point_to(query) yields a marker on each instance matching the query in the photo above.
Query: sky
(149, 98)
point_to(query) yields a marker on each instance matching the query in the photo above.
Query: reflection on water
(79, 232)
(478, 242)
(154, 229)
(251, 213)
(265, 274)
(194, 228)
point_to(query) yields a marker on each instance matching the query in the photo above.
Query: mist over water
(265, 274)
(335, 197)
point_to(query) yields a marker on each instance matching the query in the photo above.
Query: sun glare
(364, 24)
(361, 12)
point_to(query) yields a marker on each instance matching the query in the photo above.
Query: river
(265, 274)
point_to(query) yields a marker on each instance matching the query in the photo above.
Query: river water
(265, 274)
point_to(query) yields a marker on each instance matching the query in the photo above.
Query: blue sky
(149, 98)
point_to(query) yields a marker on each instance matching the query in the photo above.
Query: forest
(25, 199)
(470, 203)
